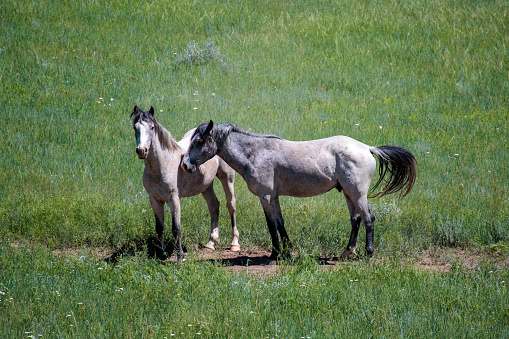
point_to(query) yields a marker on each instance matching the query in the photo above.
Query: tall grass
(429, 76)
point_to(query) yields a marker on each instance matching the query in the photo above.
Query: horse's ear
(135, 110)
(151, 110)
(209, 127)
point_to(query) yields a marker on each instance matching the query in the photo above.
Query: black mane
(139, 114)
(223, 130)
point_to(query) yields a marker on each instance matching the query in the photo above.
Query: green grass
(430, 76)
(79, 297)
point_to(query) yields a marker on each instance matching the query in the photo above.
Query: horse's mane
(237, 129)
(221, 131)
(165, 138)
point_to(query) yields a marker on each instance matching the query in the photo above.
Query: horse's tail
(402, 166)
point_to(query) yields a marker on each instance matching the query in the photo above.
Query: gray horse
(165, 181)
(272, 166)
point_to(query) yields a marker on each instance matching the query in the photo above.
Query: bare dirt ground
(256, 261)
(440, 260)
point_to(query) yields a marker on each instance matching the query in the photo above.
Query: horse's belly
(306, 178)
(308, 186)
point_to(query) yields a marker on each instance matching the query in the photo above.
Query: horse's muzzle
(186, 166)
(142, 152)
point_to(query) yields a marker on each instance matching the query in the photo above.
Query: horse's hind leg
(213, 204)
(227, 178)
(359, 210)
(355, 220)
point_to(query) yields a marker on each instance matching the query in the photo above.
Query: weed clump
(209, 54)
(450, 233)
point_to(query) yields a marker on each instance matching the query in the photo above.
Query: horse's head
(144, 123)
(203, 147)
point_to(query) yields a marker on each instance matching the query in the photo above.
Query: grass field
(431, 76)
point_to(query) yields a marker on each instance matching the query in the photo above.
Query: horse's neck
(169, 143)
(233, 152)
(161, 157)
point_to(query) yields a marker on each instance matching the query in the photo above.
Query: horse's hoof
(348, 254)
(235, 248)
(273, 256)
(210, 246)
(286, 255)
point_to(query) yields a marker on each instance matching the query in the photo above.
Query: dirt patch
(437, 260)
(442, 260)
(256, 261)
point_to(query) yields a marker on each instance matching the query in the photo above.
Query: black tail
(402, 166)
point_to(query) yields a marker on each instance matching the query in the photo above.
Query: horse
(166, 182)
(273, 167)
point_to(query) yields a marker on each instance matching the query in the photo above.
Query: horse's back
(346, 148)
(319, 165)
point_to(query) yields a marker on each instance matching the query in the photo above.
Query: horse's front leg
(269, 209)
(227, 180)
(213, 204)
(158, 209)
(282, 231)
(174, 204)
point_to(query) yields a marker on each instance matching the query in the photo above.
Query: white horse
(166, 182)
(272, 166)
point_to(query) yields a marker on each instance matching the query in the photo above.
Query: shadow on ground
(150, 247)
